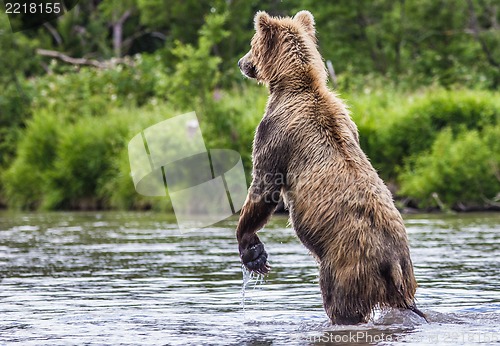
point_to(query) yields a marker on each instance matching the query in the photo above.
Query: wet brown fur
(306, 148)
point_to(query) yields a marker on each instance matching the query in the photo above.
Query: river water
(134, 279)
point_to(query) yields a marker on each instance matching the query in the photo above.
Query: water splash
(259, 279)
(247, 277)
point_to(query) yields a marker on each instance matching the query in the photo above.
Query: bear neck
(296, 83)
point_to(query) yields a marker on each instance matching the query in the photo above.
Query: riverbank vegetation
(423, 90)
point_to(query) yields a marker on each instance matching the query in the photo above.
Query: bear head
(283, 48)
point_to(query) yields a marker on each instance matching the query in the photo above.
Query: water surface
(133, 278)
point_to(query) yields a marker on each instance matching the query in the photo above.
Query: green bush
(15, 100)
(80, 164)
(416, 129)
(24, 182)
(118, 189)
(459, 171)
(374, 110)
(84, 154)
(61, 165)
(75, 94)
(395, 127)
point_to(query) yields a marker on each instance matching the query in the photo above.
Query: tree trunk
(118, 33)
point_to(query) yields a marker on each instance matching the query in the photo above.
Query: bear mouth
(249, 70)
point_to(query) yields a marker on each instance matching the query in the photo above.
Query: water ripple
(133, 278)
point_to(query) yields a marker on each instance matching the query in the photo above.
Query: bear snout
(246, 67)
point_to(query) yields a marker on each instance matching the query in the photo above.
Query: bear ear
(307, 20)
(262, 21)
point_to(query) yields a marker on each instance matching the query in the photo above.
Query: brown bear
(306, 149)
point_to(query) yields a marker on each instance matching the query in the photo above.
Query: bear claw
(255, 259)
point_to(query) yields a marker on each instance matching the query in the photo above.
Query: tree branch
(124, 17)
(475, 30)
(54, 33)
(83, 61)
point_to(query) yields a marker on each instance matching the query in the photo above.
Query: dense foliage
(421, 78)
(440, 146)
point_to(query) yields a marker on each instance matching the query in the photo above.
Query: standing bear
(306, 149)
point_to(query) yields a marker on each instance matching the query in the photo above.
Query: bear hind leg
(342, 304)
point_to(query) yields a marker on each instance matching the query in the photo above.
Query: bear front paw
(254, 259)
